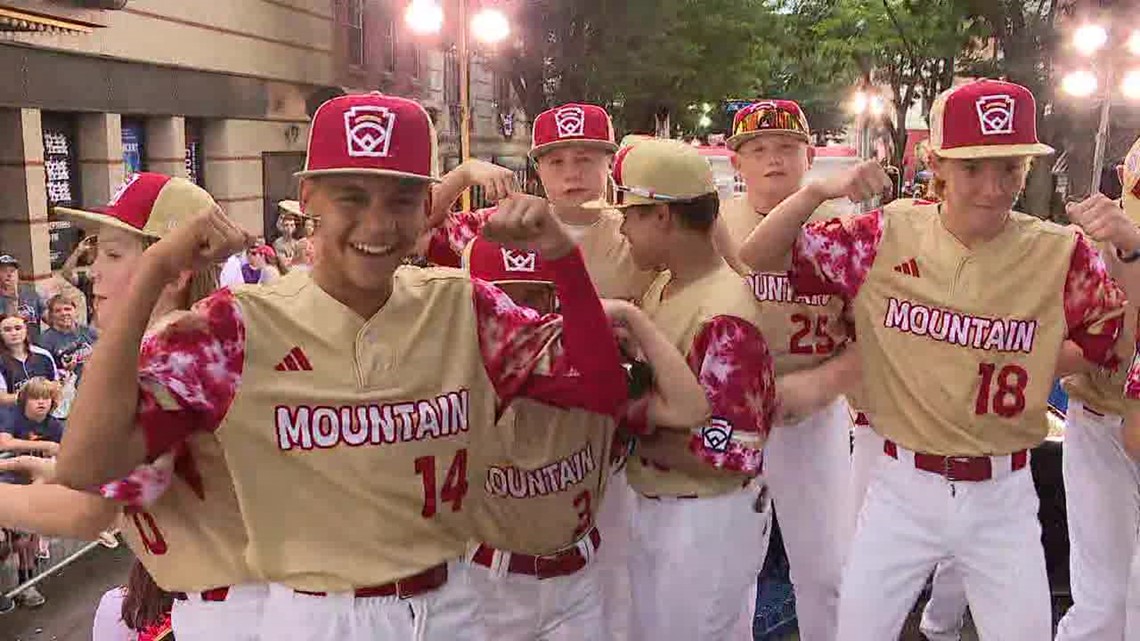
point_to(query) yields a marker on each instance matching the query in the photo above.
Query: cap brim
(364, 172)
(995, 151)
(736, 141)
(604, 145)
(291, 207)
(105, 220)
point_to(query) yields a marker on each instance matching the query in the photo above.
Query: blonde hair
(36, 388)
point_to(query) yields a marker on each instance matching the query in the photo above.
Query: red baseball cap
(768, 117)
(372, 134)
(985, 119)
(495, 263)
(572, 124)
(148, 204)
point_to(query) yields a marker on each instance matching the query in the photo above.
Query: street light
(489, 25)
(1089, 39)
(1081, 83)
(424, 17)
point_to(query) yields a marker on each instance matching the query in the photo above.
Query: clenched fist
(862, 182)
(527, 222)
(202, 241)
(1104, 221)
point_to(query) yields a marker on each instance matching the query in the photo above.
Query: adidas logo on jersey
(910, 268)
(295, 361)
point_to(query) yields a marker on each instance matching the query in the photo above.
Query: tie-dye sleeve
(189, 372)
(566, 360)
(833, 257)
(450, 239)
(732, 362)
(1094, 305)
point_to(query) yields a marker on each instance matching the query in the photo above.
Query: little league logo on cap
(494, 263)
(369, 131)
(148, 204)
(660, 170)
(768, 117)
(572, 124)
(372, 134)
(985, 119)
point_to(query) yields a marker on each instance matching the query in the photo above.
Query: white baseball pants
(807, 467)
(450, 613)
(516, 607)
(914, 520)
(694, 566)
(945, 612)
(612, 558)
(235, 619)
(1102, 490)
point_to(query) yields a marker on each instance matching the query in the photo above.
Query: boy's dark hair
(698, 214)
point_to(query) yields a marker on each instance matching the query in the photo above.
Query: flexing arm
(72, 262)
(768, 246)
(677, 400)
(497, 183)
(567, 360)
(103, 441)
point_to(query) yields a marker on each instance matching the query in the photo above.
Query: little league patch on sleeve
(716, 435)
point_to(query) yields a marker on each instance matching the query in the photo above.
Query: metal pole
(464, 95)
(1102, 129)
(62, 564)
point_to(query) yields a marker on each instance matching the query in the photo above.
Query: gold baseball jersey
(543, 471)
(801, 331)
(347, 437)
(192, 539)
(1102, 390)
(714, 322)
(960, 345)
(604, 248)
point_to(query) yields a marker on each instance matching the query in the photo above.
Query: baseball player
(807, 465)
(1102, 484)
(345, 400)
(572, 150)
(543, 474)
(697, 518)
(958, 358)
(192, 539)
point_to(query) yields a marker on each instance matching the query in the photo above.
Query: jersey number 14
(454, 484)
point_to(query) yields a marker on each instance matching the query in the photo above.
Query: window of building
(417, 61)
(390, 50)
(354, 31)
(503, 93)
(451, 77)
(195, 156)
(61, 178)
(134, 145)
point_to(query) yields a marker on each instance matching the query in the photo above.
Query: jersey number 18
(1001, 392)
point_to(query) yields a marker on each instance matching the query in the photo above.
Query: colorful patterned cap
(660, 170)
(148, 204)
(495, 263)
(572, 124)
(372, 134)
(1130, 195)
(768, 117)
(985, 119)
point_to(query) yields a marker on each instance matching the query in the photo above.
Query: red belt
(562, 563)
(217, 595)
(1092, 411)
(422, 583)
(959, 468)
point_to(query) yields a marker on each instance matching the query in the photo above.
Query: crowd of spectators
(43, 346)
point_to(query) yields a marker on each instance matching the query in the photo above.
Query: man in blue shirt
(22, 300)
(69, 342)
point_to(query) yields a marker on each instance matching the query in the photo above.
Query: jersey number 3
(802, 341)
(454, 484)
(1008, 399)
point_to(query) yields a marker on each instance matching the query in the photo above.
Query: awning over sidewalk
(19, 21)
